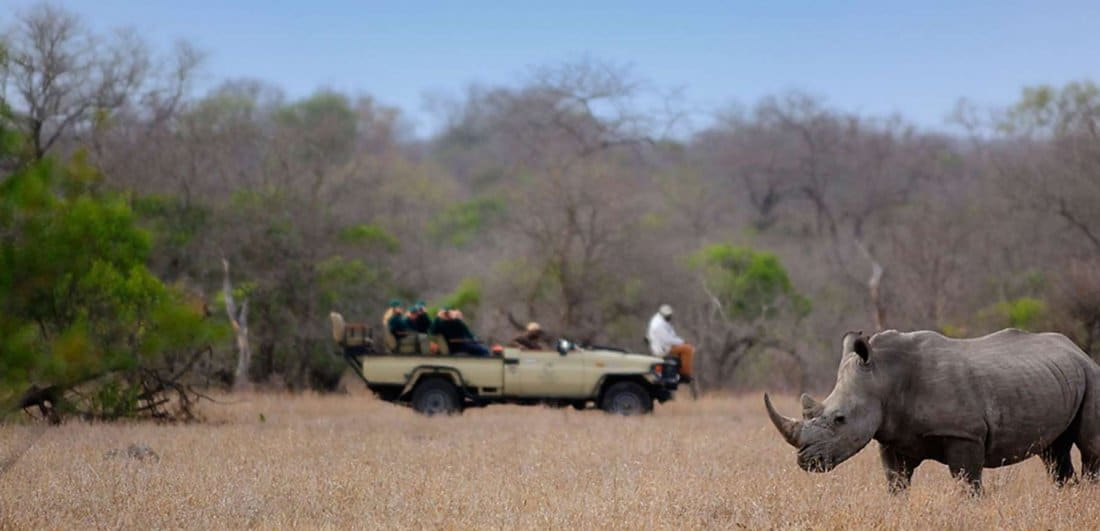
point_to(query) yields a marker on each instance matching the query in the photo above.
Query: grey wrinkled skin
(967, 403)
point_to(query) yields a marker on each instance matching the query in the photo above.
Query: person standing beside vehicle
(663, 341)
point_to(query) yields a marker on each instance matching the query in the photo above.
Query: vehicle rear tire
(626, 398)
(436, 396)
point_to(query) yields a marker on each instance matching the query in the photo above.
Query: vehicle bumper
(662, 394)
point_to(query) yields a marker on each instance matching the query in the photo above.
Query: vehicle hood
(618, 360)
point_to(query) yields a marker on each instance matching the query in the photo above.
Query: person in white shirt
(663, 341)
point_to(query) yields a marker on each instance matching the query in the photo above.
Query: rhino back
(1014, 391)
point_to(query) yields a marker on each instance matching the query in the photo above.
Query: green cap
(395, 303)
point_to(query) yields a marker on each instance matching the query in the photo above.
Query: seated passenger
(450, 325)
(533, 338)
(398, 325)
(418, 318)
(394, 304)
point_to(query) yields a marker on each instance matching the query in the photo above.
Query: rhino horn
(810, 407)
(789, 428)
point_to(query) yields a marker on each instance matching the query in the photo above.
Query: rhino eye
(839, 419)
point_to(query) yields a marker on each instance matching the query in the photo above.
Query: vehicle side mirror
(564, 346)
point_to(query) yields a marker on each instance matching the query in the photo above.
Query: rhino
(967, 403)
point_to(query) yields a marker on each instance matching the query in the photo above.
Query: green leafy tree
(80, 307)
(461, 223)
(1025, 313)
(749, 304)
(466, 297)
(751, 285)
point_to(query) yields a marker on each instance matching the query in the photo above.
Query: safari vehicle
(433, 381)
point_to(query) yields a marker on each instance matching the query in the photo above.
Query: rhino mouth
(823, 457)
(818, 457)
(812, 462)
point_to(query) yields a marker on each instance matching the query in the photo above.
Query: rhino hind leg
(1056, 457)
(1087, 437)
(1089, 445)
(1090, 466)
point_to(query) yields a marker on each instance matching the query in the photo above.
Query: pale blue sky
(916, 58)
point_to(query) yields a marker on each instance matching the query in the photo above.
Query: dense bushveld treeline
(558, 199)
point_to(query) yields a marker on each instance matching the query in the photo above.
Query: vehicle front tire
(436, 397)
(627, 399)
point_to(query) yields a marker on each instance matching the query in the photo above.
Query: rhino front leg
(965, 459)
(899, 469)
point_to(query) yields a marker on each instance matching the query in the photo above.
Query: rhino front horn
(789, 428)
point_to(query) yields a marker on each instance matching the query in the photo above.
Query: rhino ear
(862, 349)
(810, 407)
(855, 342)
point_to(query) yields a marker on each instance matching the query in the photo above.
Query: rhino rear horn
(810, 407)
(789, 428)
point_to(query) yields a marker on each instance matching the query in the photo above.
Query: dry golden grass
(351, 461)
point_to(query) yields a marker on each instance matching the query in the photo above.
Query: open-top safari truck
(420, 372)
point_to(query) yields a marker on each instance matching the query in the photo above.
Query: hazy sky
(916, 58)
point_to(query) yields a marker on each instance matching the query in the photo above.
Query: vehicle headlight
(658, 369)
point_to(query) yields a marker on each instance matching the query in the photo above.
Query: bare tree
(238, 319)
(571, 127)
(1050, 162)
(1078, 296)
(60, 78)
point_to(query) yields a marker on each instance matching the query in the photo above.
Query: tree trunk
(878, 314)
(239, 322)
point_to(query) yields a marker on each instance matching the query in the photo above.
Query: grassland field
(351, 461)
